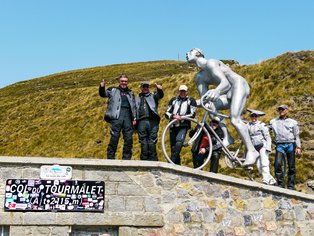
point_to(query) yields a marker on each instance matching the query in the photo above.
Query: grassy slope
(61, 115)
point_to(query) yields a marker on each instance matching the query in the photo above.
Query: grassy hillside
(61, 115)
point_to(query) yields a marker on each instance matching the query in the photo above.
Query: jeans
(285, 150)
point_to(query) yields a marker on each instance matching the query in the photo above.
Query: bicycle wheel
(185, 153)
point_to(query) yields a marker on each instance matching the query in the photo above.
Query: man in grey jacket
(121, 114)
(148, 120)
(288, 143)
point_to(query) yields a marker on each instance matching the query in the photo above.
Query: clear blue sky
(39, 38)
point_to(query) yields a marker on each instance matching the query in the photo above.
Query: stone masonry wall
(155, 198)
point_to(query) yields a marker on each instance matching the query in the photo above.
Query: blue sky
(39, 38)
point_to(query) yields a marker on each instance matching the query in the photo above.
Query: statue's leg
(202, 86)
(239, 95)
(221, 104)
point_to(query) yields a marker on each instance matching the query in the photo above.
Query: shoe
(291, 188)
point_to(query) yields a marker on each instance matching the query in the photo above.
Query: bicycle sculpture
(232, 158)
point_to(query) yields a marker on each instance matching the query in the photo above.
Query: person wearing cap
(231, 92)
(182, 105)
(261, 140)
(121, 114)
(200, 147)
(288, 144)
(148, 120)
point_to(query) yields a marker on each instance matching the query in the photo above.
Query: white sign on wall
(56, 172)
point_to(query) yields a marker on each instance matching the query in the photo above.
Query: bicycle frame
(225, 149)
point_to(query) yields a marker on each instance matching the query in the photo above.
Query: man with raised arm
(231, 92)
(121, 114)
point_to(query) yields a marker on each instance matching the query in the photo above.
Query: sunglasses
(123, 81)
(281, 109)
(253, 115)
(145, 86)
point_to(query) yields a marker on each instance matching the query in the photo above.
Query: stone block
(96, 175)
(118, 176)
(239, 231)
(152, 204)
(147, 180)
(111, 188)
(11, 218)
(168, 197)
(208, 215)
(31, 173)
(39, 218)
(269, 203)
(134, 203)
(130, 189)
(116, 203)
(271, 225)
(148, 219)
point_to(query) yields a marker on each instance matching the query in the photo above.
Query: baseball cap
(183, 87)
(215, 119)
(145, 83)
(256, 112)
(283, 107)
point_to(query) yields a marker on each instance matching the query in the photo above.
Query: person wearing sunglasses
(121, 114)
(148, 120)
(261, 140)
(288, 145)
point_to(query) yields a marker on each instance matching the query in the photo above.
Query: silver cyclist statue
(231, 93)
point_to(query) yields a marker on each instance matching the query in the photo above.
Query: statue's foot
(250, 158)
(228, 141)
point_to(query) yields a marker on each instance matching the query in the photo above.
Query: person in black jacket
(200, 147)
(179, 106)
(121, 114)
(148, 120)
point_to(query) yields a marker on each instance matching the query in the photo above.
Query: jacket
(114, 102)
(203, 142)
(286, 131)
(152, 101)
(183, 107)
(259, 134)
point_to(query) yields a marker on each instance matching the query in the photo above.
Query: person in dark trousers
(288, 144)
(179, 106)
(148, 120)
(121, 114)
(200, 147)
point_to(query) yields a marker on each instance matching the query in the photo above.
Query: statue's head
(195, 53)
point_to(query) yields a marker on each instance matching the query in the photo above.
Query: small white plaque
(56, 172)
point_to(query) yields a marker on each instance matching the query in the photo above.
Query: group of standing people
(126, 112)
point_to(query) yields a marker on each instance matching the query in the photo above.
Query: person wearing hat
(261, 140)
(121, 114)
(182, 105)
(200, 147)
(148, 120)
(288, 144)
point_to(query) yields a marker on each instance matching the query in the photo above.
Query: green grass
(61, 115)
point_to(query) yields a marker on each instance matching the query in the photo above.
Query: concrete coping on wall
(126, 164)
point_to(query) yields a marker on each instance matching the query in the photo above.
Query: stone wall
(155, 198)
